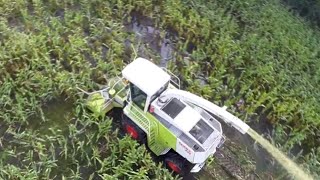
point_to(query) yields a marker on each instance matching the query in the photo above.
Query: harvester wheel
(133, 130)
(175, 163)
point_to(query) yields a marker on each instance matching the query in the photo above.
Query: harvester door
(138, 96)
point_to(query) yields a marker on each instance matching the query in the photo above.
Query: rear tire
(133, 130)
(176, 163)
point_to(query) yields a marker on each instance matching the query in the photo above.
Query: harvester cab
(179, 125)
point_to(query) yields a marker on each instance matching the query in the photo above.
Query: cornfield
(253, 56)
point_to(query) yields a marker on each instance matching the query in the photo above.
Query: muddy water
(149, 35)
(56, 116)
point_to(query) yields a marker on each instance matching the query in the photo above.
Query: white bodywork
(187, 119)
(182, 124)
(145, 75)
(184, 150)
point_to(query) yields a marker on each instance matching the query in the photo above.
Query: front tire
(133, 130)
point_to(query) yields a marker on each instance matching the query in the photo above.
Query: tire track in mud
(232, 167)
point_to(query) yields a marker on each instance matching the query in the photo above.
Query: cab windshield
(201, 131)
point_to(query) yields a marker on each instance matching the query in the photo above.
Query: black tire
(133, 130)
(176, 163)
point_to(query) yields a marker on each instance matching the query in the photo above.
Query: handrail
(149, 122)
(155, 124)
(111, 99)
(172, 75)
(120, 79)
(89, 93)
(108, 99)
(136, 109)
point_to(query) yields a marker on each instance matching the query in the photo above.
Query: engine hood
(187, 119)
(181, 114)
(190, 120)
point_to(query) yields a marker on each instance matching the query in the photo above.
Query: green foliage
(253, 51)
(47, 48)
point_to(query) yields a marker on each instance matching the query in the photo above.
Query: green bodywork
(100, 106)
(96, 104)
(159, 137)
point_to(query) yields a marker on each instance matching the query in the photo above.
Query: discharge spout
(210, 107)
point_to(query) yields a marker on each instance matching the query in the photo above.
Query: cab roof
(145, 75)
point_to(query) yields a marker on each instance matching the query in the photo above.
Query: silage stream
(292, 168)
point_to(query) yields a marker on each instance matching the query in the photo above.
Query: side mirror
(223, 139)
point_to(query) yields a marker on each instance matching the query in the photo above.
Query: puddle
(151, 36)
(56, 116)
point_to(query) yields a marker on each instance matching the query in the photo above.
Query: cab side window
(138, 96)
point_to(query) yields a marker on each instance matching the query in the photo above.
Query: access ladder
(149, 126)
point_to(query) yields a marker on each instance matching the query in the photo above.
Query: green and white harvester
(182, 127)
